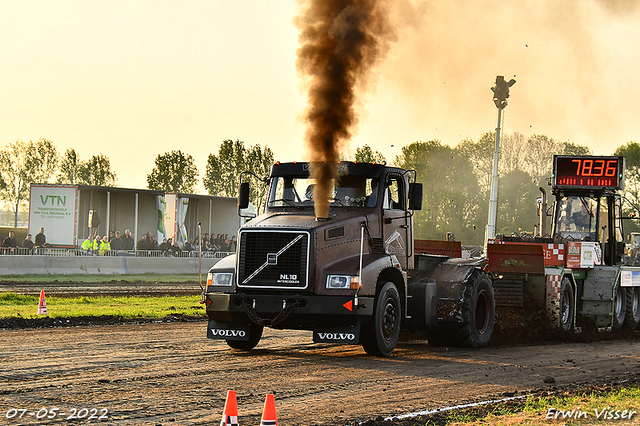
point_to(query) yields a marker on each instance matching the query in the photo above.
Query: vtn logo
(56, 200)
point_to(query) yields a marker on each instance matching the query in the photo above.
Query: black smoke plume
(339, 41)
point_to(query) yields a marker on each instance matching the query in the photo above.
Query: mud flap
(228, 331)
(349, 335)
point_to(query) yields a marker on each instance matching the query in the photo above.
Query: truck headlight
(342, 282)
(220, 278)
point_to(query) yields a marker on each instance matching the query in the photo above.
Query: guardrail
(46, 251)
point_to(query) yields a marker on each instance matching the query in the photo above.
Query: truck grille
(274, 259)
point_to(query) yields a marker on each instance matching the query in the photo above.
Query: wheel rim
(566, 306)
(619, 308)
(482, 312)
(389, 319)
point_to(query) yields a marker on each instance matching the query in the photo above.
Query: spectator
(105, 247)
(224, 243)
(40, 238)
(28, 242)
(127, 240)
(95, 246)
(232, 244)
(87, 244)
(175, 249)
(164, 245)
(188, 246)
(116, 242)
(153, 245)
(9, 241)
(205, 245)
(143, 244)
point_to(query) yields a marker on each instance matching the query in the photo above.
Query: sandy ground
(169, 373)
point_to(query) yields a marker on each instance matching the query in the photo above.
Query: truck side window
(393, 198)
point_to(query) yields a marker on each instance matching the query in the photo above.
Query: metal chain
(253, 315)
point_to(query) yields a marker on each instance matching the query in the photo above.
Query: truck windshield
(347, 191)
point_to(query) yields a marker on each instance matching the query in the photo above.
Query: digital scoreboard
(588, 172)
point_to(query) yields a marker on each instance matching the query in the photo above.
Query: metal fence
(46, 251)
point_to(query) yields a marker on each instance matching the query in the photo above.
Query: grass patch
(99, 278)
(594, 407)
(23, 306)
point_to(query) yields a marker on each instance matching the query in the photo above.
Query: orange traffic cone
(269, 417)
(230, 414)
(42, 306)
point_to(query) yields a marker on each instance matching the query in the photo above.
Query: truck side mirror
(415, 196)
(243, 196)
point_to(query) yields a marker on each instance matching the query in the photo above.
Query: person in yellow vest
(105, 246)
(95, 245)
(87, 244)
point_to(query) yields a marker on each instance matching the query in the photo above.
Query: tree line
(456, 179)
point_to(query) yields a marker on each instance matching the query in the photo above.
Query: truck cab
(295, 271)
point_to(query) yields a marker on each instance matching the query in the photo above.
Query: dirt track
(168, 373)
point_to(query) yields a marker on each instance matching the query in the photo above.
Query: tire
(632, 318)
(478, 313)
(567, 305)
(379, 336)
(619, 306)
(255, 333)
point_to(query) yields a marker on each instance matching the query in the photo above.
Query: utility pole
(500, 95)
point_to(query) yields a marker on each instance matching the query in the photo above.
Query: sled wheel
(567, 305)
(478, 313)
(632, 318)
(255, 333)
(619, 306)
(379, 336)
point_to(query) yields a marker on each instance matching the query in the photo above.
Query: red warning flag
(230, 413)
(42, 305)
(269, 412)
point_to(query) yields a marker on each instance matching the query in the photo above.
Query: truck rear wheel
(632, 318)
(478, 313)
(619, 306)
(255, 333)
(379, 337)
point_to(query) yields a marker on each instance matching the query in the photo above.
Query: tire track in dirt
(169, 373)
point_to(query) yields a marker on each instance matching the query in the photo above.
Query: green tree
(70, 166)
(517, 203)
(95, 171)
(223, 170)
(365, 154)
(23, 163)
(631, 150)
(174, 172)
(451, 196)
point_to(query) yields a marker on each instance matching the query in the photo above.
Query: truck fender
(373, 266)
(451, 277)
(423, 304)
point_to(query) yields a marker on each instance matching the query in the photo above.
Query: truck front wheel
(380, 336)
(255, 333)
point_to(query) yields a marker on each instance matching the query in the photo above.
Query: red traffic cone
(42, 305)
(269, 417)
(230, 413)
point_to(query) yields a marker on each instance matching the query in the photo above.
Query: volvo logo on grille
(272, 258)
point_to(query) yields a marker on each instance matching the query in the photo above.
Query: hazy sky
(134, 79)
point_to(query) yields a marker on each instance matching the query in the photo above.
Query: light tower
(500, 95)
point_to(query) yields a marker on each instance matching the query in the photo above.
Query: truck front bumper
(305, 312)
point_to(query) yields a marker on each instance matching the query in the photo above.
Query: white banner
(183, 205)
(53, 208)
